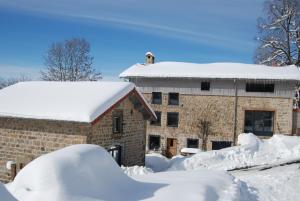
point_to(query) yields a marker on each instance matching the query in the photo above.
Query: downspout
(235, 112)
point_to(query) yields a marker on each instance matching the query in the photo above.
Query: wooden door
(171, 147)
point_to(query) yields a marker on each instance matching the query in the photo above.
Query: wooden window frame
(261, 110)
(117, 114)
(220, 141)
(192, 139)
(152, 99)
(159, 143)
(170, 102)
(170, 113)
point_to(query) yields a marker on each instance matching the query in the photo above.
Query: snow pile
(250, 139)
(89, 173)
(78, 172)
(199, 185)
(190, 150)
(157, 162)
(5, 195)
(251, 152)
(276, 184)
(212, 70)
(136, 170)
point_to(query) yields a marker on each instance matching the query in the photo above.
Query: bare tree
(70, 61)
(10, 81)
(279, 34)
(206, 118)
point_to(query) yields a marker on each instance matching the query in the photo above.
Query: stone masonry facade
(22, 140)
(191, 107)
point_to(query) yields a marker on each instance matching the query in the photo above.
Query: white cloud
(211, 22)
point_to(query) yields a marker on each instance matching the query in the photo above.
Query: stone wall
(132, 140)
(22, 140)
(282, 107)
(221, 114)
(22, 146)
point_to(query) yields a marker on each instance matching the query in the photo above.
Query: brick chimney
(150, 58)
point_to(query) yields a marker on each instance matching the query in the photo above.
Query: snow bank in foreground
(275, 184)
(78, 172)
(200, 185)
(5, 195)
(88, 173)
(251, 152)
(136, 170)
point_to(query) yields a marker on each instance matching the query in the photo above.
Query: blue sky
(121, 31)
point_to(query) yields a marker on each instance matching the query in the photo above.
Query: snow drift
(199, 185)
(88, 173)
(77, 173)
(136, 170)
(157, 162)
(251, 152)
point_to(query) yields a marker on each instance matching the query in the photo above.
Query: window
(205, 86)
(156, 122)
(173, 99)
(154, 142)
(259, 122)
(172, 119)
(156, 97)
(192, 143)
(216, 145)
(259, 87)
(118, 122)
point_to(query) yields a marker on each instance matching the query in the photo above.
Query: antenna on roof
(150, 58)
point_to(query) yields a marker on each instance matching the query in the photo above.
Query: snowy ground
(255, 170)
(261, 164)
(88, 173)
(276, 184)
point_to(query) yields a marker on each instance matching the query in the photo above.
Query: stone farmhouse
(40, 117)
(214, 102)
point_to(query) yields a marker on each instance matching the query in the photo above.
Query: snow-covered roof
(67, 101)
(212, 71)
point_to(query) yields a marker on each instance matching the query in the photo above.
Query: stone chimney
(150, 58)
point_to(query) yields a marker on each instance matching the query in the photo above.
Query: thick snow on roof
(211, 71)
(69, 101)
